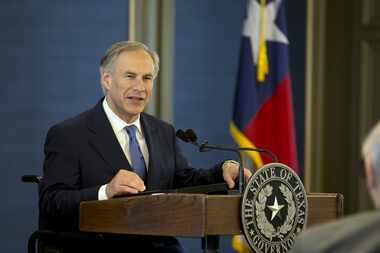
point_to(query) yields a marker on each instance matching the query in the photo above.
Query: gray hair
(371, 149)
(108, 60)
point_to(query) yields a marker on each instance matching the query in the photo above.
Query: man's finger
(122, 190)
(137, 183)
(230, 182)
(127, 189)
(247, 174)
(134, 185)
(132, 180)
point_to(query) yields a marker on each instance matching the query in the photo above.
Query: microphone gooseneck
(190, 136)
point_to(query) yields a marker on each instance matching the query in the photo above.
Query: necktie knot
(131, 130)
(137, 159)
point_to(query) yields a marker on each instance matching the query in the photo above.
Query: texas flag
(263, 109)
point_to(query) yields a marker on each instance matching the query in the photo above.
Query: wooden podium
(180, 214)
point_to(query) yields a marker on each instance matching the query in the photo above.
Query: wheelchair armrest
(31, 179)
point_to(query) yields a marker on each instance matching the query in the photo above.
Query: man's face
(129, 86)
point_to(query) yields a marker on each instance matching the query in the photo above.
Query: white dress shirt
(118, 126)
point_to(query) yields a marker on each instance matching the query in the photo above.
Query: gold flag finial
(262, 57)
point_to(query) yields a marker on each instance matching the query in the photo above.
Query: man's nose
(139, 84)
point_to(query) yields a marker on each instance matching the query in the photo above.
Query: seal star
(275, 208)
(251, 27)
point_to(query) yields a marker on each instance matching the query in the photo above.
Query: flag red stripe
(272, 126)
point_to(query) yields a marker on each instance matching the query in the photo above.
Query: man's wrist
(225, 163)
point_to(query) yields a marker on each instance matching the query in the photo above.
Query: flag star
(275, 208)
(251, 27)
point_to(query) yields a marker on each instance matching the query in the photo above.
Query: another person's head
(127, 71)
(371, 157)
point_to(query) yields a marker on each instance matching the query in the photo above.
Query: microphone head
(182, 135)
(191, 135)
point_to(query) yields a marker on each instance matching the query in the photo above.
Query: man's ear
(106, 80)
(370, 174)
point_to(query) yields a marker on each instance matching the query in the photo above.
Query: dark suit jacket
(355, 233)
(82, 153)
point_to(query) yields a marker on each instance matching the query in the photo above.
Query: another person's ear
(370, 174)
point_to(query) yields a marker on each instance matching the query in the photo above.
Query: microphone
(190, 136)
(181, 134)
(187, 136)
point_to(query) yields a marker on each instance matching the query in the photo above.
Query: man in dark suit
(355, 233)
(115, 148)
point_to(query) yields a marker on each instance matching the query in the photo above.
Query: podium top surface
(180, 214)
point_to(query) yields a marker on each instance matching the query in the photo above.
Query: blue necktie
(137, 158)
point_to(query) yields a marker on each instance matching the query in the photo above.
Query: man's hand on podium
(231, 172)
(124, 182)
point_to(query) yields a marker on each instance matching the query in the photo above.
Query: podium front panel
(179, 214)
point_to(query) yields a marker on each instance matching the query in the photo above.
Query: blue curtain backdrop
(206, 55)
(50, 51)
(49, 71)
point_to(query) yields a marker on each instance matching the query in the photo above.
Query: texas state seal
(274, 209)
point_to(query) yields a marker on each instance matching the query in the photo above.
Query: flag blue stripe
(249, 94)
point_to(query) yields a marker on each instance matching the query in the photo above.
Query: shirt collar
(117, 123)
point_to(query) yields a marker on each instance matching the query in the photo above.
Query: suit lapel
(153, 143)
(103, 139)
